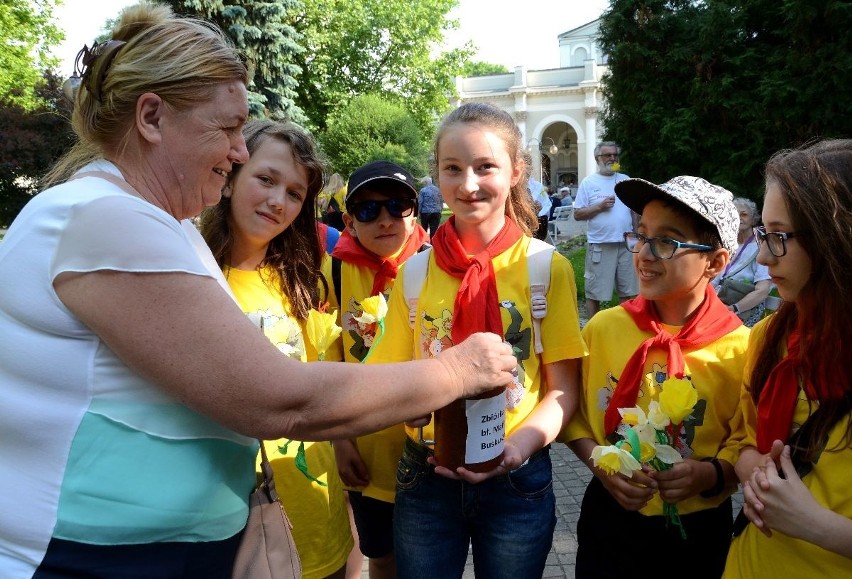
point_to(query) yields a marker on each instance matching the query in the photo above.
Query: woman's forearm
(184, 334)
(753, 299)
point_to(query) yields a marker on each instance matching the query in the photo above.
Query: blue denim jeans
(508, 520)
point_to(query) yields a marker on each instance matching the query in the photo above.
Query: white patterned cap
(713, 203)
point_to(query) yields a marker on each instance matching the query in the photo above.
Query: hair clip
(99, 57)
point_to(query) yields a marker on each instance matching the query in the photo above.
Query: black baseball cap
(381, 176)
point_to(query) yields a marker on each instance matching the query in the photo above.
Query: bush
(371, 128)
(30, 142)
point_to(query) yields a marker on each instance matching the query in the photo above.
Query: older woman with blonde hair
(132, 387)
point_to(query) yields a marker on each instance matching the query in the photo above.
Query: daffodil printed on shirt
(362, 334)
(283, 331)
(435, 333)
(520, 339)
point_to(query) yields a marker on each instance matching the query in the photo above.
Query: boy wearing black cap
(381, 233)
(676, 327)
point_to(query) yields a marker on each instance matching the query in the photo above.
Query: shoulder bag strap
(742, 267)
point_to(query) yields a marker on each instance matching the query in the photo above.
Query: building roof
(587, 28)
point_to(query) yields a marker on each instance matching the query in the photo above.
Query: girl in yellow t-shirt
(797, 390)
(477, 280)
(263, 234)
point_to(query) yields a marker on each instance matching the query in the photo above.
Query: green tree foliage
(481, 68)
(383, 47)
(30, 142)
(714, 87)
(262, 31)
(372, 128)
(26, 36)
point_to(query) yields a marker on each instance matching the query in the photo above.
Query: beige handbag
(267, 550)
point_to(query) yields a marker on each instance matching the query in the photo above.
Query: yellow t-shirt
(381, 450)
(335, 350)
(752, 554)
(716, 428)
(560, 329)
(314, 499)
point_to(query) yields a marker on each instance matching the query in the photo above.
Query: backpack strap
(412, 283)
(539, 256)
(335, 277)
(742, 266)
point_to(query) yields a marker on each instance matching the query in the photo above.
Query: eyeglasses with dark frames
(661, 247)
(367, 211)
(776, 241)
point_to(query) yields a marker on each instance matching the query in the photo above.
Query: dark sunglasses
(366, 211)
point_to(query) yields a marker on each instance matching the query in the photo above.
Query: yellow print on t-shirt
(436, 335)
(283, 331)
(362, 334)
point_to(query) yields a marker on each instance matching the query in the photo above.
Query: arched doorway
(559, 164)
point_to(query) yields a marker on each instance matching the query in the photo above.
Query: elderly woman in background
(132, 387)
(744, 270)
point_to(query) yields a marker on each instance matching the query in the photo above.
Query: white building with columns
(556, 109)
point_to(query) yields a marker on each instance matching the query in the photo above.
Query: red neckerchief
(779, 396)
(350, 250)
(476, 307)
(710, 322)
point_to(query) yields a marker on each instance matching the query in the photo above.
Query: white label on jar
(486, 419)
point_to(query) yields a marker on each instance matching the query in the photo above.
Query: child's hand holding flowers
(652, 440)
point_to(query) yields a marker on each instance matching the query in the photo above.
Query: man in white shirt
(609, 265)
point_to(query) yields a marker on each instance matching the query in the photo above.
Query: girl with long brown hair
(263, 234)
(797, 399)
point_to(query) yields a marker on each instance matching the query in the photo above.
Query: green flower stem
(379, 335)
(301, 461)
(302, 465)
(633, 439)
(672, 517)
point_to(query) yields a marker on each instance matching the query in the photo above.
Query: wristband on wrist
(736, 308)
(720, 479)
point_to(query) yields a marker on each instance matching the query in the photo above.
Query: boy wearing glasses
(675, 328)
(381, 233)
